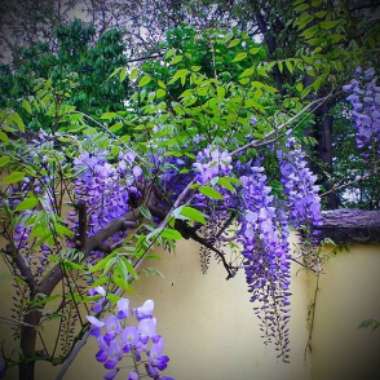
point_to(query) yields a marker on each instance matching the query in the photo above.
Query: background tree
(78, 62)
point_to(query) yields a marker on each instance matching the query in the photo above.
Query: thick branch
(49, 282)
(83, 224)
(98, 239)
(21, 265)
(350, 225)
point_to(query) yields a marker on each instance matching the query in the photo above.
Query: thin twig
(339, 187)
(268, 138)
(110, 133)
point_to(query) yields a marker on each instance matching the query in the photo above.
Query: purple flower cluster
(299, 186)
(264, 236)
(211, 163)
(364, 97)
(118, 337)
(104, 188)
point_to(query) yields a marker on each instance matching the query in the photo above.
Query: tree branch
(350, 225)
(21, 265)
(49, 282)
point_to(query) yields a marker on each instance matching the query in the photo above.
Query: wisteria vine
(233, 193)
(364, 97)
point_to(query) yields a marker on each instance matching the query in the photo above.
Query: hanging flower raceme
(303, 201)
(364, 97)
(264, 235)
(128, 333)
(103, 188)
(212, 164)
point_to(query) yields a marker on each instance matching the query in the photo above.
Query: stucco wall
(211, 332)
(349, 293)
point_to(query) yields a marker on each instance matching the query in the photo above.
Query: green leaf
(14, 177)
(26, 106)
(321, 14)
(176, 59)
(280, 66)
(210, 192)
(145, 80)
(220, 92)
(123, 74)
(302, 7)
(161, 84)
(263, 86)
(226, 183)
(27, 203)
(4, 160)
(102, 263)
(193, 214)
(180, 74)
(247, 72)
(299, 86)
(130, 267)
(4, 137)
(115, 72)
(289, 66)
(160, 93)
(108, 116)
(171, 234)
(327, 25)
(16, 119)
(116, 127)
(134, 74)
(63, 230)
(303, 20)
(239, 57)
(234, 43)
(254, 50)
(251, 103)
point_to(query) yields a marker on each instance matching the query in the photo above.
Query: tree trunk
(28, 345)
(325, 149)
(272, 45)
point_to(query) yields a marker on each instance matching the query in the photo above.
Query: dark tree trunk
(271, 42)
(325, 150)
(28, 345)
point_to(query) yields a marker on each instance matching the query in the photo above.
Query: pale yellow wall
(211, 332)
(350, 293)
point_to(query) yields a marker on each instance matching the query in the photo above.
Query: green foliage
(372, 324)
(79, 70)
